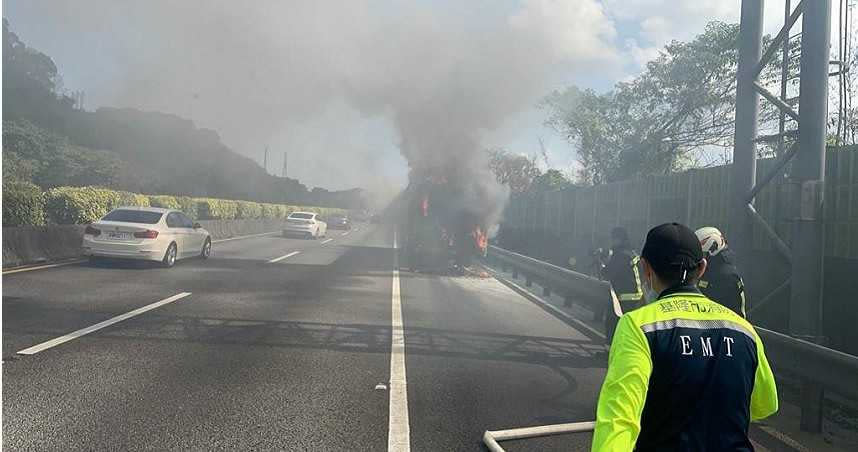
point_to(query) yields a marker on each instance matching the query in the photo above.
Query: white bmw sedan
(305, 224)
(146, 233)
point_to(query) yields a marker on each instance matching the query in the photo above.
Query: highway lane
(283, 355)
(480, 357)
(249, 360)
(42, 304)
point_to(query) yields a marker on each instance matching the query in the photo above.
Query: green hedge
(132, 199)
(269, 210)
(76, 205)
(248, 209)
(167, 202)
(23, 204)
(216, 209)
(189, 206)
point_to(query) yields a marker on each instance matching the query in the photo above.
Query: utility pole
(266, 159)
(285, 162)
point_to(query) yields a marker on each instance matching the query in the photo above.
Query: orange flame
(481, 240)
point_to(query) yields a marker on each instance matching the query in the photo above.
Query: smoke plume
(335, 83)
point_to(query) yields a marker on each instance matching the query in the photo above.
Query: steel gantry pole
(808, 171)
(807, 175)
(807, 180)
(747, 109)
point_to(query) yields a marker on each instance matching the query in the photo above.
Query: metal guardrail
(834, 371)
(584, 289)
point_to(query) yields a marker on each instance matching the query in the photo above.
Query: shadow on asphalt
(556, 353)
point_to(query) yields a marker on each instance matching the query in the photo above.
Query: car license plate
(118, 235)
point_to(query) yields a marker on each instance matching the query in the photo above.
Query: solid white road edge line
(348, 232)
(278, 259)
(42, 267)
(326, 241)
(398, 435)
(63, 339)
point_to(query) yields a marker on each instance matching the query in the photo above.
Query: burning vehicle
(441, 233)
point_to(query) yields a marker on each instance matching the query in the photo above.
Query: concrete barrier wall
(25, 245)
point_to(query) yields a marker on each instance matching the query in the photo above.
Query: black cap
(672, 246)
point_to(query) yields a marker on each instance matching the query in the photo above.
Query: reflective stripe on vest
(635, 296)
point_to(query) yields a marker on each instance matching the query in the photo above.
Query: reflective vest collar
(689, 289)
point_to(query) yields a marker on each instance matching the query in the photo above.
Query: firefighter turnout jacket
(623, 274)
(685, 374)
(722, 282)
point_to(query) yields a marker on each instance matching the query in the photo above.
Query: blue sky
(311, 78)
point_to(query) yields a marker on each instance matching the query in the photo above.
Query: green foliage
(34, 154)
(269, 210)
(132, 199)
(166, 202)
(189, 206)
(515, 171)
(550, 180)
(248, 209)
(125, 148)
(80, 205)
(678, 113)
(23, 204)
(216, 209)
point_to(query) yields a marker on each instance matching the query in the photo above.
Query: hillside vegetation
(48, 142)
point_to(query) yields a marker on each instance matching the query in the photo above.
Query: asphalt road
(285, 353)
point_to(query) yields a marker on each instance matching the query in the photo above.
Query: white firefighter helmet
(711, 240)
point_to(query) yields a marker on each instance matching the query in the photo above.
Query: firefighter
(623, 274)
(684, 372)
(722, 281)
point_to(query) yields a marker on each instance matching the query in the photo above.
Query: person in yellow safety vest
(623, 274)
(684, 372)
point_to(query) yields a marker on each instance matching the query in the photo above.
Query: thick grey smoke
(339, 84)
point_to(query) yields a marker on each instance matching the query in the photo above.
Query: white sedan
(305, 224)
(146, 233)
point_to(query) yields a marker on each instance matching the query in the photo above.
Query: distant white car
(146, 233)
(305, 224)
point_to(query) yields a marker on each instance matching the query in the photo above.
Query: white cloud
(660, 21)
(571, 29)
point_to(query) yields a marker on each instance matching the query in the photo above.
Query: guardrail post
(514, 273)
(528, 281)
(546, 291)
(567, 300)
(811, 406)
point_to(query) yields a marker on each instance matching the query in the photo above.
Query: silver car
(146, 233)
